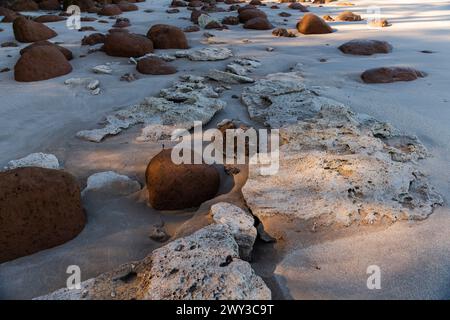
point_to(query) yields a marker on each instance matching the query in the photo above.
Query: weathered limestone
(177, 107)
(111, 183)
(204, 265)
(205, 54)
(41, 160)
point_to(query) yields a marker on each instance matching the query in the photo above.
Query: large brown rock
(25, 5)
(125, 6)
(365, 47)
(124, 44)
(93, 39)
(155, 66)
(167, 37)
(31, 31)
(50, 5)
(348, 16)
(8, 15)
(39, 209)
(391, 74)
(258, 24)
(312, 24)
(46, 18)
(41, 63)
(85, 5)
(110, 10)
(66, 52)
(249, 14)
(173, 187)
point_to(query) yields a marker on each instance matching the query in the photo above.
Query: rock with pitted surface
(167, 37)
(365, 47)
(230, 20)
(202, 266)
(391, 74)
(30, 31)
(312, 24)
(124, 44)
(66, 52)
(41, 63)
(39, 209)
(155, 66)
(179, 186)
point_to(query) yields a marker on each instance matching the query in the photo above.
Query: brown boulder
(25, 5)
(248, 14)
(258, 24)
(8, 15)
(155, 66)
(174, 187)
(230, 20)
(312, 24)
(41, 63)
(46, 18)
(66, 52)
(50, 5)
(365, 47)
(85, 5)
(93, 39)
(30, 31)
(298, 6)
(110, 10)
(391, 74)
(125, 6)
(39, 209)
(124, 44)
(167, 37)
(348, 16)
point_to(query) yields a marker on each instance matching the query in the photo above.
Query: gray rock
(111, 183)
(41, 160)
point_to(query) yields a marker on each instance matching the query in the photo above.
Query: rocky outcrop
(241, 225)
(282, 98)
(41, 160)
(111, 183)
(202, 266)
(205, 54)
(39, 209)
(336, 167)
(179, 186)
(177, 107)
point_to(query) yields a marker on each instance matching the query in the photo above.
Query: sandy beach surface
(45, 116)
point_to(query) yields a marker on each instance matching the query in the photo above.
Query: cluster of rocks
(177, 107)
(335, 167)
(235, 72)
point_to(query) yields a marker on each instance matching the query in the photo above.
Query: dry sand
(44, 117)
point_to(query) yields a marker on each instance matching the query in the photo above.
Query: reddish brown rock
(365, 47)
(110, 10)
(30, 31)
(281, 32)
(125, 6)
(124, 44)
(391, 74)
(122, 23)
(258, 24)
(155, 66)
(230, 20)
(298, 6)
(25, 5)
(348, 16)
(8, 15)
(66, 52)
(312, 24)
(174, 187)
(248, 14)
(49, 18)
(167, 37)
(191, 29)
(85, 5)
(41, 63)
(50, 5)
(39, 209)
